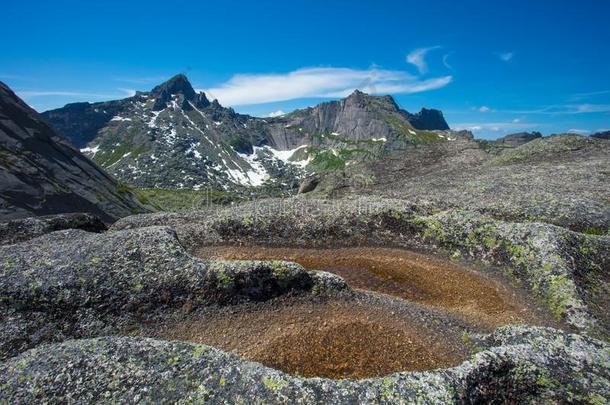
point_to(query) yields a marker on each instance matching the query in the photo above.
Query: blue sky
(493, 68)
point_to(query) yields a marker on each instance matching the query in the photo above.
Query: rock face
(428, 120)
(309, 184)
(20, 230)
(518, 139)
(174, 137)
(41, 173)
(358, 117)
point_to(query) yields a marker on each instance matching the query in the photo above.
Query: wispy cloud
(142, 80)
(494, 126)
(580, 96)
(417, 58)
(128, 92)
(565, 109)
(32, 94)
(484, 109)
(446, 60)
(505, 56)
(47, 93)
(11, 77)
(578, 131)
(245, 89)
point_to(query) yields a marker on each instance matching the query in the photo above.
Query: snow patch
(93, 150)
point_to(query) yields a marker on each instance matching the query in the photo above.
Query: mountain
(358, 117)
(174, 137)
(41, 173)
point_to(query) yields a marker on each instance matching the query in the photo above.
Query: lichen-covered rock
(73, 283)
(20, 230)
(515, 365)
(568, 271)
(561, 180)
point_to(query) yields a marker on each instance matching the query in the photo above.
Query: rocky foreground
(70, 298)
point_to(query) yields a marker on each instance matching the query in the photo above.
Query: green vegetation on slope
(184, 200)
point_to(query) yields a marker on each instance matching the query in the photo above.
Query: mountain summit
(178, 85)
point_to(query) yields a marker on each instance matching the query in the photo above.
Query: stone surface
(560, 180)
(41, 174)
(20, 230)
(514, 365)
(74, 283)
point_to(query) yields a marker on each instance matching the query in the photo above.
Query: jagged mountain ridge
(174, 137)
(41, 173)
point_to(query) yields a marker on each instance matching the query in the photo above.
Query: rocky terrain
(560, 180)
(416, 265)
(41, 173)
(122, 283)
(173, 137)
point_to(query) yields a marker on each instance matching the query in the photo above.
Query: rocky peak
(361, 99)
(178, 85)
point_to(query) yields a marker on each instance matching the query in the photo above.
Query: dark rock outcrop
(309, 184)
(601, 135)
(20, 230)
(428, 119)
(518, 139)
(41, 173)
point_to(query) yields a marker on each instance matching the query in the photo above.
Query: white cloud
(578, 131)
(244, 89)
(277, 113)
(417, 58)
(493, 126)
(128, 92)
(506, 56)
(46, 93)
(484, 109)
(516, 120)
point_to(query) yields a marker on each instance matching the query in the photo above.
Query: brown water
(361, 336)
(407, 275)
(337, 338)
